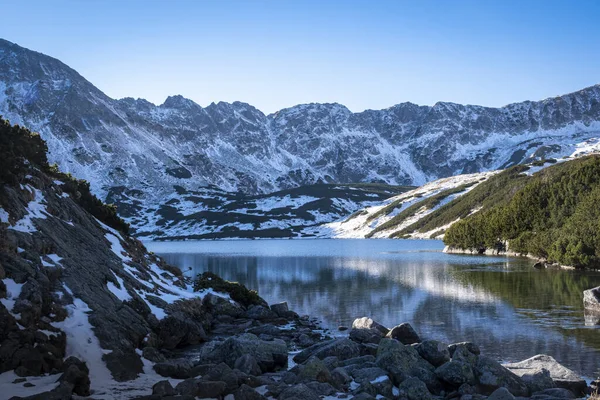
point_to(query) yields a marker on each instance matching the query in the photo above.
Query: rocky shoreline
(248, 359)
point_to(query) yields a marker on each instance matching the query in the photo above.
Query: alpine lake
(511, 310)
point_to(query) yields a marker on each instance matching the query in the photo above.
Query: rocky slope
(153, 150)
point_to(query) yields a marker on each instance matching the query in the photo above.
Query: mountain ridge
(151, 149)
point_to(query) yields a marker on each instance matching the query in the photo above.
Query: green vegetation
(23, 150)
(554, 215)
(236, 291)
(428, 203)
(497, 189)
(20, 150)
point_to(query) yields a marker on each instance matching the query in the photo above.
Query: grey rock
(321, 388)
(298, 392)
(365, 335)
(260, 313)
(314, 369)
(404, 333)
(340, 377)
(245, 392)
(470, 347)
(501, 394)
(492, 375)
(163, 388)
(280, 308)
(152, 354)
(403, 362)
(269, 355)
(76, 379)
(368, 323)
(414, 389)
(556, 393)
(433, 351)
(562, 376)
(341, 348)
(123, 365)
(456, 373)
(180, 369)
(247, 364)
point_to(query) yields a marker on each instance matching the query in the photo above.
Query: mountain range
(142, 156)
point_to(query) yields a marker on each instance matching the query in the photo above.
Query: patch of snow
(35, 209)
(380, 379)
(119, 292)
(117, 247)
(3, 216)
(41, 384)
(13, 291)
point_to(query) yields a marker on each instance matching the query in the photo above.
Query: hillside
(553, 215)
(162, 153)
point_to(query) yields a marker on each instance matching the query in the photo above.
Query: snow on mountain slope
(365, 221)
(149, 152)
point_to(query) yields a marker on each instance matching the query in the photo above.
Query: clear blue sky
(363, 54)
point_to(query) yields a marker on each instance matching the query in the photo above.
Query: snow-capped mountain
(152, 152)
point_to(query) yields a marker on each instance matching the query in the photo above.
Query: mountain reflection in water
(510, 309)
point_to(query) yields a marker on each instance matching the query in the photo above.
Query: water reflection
(510, 309)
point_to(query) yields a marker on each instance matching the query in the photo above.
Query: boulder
(456, 373)
(404, 333)
(222, 372)
(152, 354)
(314, 370)
(340, 377)
(538, 380)
(557, 393)
(342, 348)
(414, 389)
(269, 355)
(177, 369)
(470, 347)
(368, 323)
(501, 394)
(433, 351)
(163, 388)
(280, 309)
(245, 392)
(298, 392)
(376, 379)
(174, 332)
(562, 376)
(199, 388)
(321, 388)
(366, 335)
(247, 364)
(492, 375)
(403, 362)
(123, 365)
(76, 378)
(591, 300)
(260, 313)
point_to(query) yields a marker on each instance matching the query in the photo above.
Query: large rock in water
(269, 355)
(561, 375)
(368, 323)
(591, 300)
(404, 333)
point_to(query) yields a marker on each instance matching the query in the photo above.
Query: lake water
(508, 308)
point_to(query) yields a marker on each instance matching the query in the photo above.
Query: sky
(276, 54)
